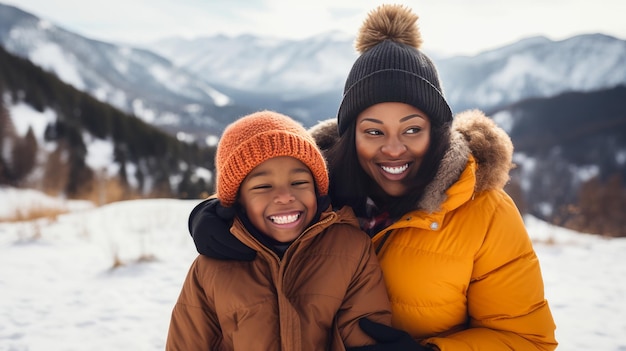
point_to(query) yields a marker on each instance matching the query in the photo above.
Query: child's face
(279, 197)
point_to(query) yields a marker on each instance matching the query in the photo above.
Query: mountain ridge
(136, 80)
(199, 85)
(557, 99)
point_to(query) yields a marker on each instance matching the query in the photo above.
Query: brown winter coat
(310, 300)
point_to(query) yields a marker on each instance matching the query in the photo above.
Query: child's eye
(300, 182)
(263, 186)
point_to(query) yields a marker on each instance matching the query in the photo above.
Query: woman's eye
(413, 130)
(373, 132)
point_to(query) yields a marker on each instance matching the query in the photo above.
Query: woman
(459, 266)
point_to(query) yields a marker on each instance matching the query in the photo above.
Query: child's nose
(284, 195)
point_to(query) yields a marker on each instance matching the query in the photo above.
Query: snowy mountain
(303, 79)
(535, 67)
(286, 67)
(312, 72)
(570, 156)
(134, 80)
(200, 85)
(58, 139)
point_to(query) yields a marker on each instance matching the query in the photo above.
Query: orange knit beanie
(256, 138)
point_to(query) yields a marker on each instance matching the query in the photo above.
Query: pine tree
(615, 203)
(56, 170)
(24, 156)
(589, 218)
(7, 135)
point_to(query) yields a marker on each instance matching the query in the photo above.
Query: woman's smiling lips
(394, 172)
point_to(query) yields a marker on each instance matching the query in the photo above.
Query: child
(314, 275)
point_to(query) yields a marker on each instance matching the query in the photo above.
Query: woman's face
(391, 141)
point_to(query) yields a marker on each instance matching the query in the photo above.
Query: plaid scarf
(375, 220)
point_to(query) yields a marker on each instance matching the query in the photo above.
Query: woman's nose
(393, 147)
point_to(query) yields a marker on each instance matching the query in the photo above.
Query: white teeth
(395, 170)
(285, 219)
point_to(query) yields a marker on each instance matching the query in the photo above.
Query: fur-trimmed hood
(472, 133)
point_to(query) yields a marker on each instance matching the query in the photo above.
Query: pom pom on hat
(254, 139)
(391, 68)
(393, 22)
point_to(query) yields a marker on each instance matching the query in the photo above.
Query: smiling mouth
(285, 219)
(395, 170)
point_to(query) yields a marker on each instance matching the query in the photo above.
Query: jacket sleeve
(506, 304)
(366, 296)
(194, 325)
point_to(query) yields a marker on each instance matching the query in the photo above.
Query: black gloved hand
(387, 338)
(209, 226)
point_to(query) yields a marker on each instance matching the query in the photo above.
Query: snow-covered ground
(58, 290)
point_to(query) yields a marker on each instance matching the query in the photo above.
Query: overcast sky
(448, 26)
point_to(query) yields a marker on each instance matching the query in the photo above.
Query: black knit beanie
(392, 69)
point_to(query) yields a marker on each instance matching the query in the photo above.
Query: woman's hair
(350, 185)
(347, 178)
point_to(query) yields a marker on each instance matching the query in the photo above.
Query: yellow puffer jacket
(466, 277)
(461, 271)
